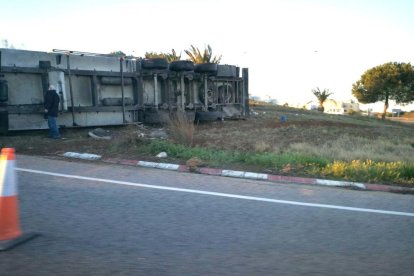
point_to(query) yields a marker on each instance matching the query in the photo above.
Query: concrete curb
(255, 176)
(85, 156)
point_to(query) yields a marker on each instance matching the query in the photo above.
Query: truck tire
(206, 116)
(154, 63)
(181, 65)
(4, 91)
(226, 93)
(4, 122)
(212, 93)
(206, 68)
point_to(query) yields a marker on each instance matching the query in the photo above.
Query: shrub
(370, 171)
(181, 128)
(261, 146)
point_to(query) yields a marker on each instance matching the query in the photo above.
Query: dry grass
(350, 148)
(181, 128)
(259, 143)
(312, 133)
(262, 146)
(409, 115)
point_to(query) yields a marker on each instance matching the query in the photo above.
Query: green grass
(353, 148)
(292, 163)
(220, 157)
(370, 171)
(311, 144)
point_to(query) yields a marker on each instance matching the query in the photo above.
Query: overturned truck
(102, 90)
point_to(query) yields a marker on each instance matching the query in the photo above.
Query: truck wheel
(181, 65)
(154, 63)
(4, 91)
(211, 93)
(205, 116)
(226, 93)
(206, 68)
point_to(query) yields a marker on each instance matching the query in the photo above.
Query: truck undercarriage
(99, 90)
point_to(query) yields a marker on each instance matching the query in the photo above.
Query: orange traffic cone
(10, 232)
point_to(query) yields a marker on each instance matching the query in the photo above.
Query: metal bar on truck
(182, 92)
(205, 93)
(70, 88)
(155, 91)
(121, 61)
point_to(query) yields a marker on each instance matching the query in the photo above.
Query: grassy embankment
(310, 144)
(352, 148)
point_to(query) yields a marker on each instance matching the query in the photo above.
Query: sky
(289, 46)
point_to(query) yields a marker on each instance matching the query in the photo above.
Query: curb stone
(85, 156)
(251, 175)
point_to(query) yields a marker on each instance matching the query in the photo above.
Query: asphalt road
(109, 223)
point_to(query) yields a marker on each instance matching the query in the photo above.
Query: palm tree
(322, 96)
(117, 54)
(154, 55)
(172, 56)
(206, 57)
(169, 56)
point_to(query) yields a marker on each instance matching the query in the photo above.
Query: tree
(389, 81)
(206, 57)
(154, 55)
(169, 56)
(322, 96)
(172, 56)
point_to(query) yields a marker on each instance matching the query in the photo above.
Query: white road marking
(262, 199)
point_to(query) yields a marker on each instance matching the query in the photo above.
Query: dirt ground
(263, 131)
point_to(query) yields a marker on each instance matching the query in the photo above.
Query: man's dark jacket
(52, 103)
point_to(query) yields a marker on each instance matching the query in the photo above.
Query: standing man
(51, 110)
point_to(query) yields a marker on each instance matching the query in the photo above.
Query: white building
(339, 107)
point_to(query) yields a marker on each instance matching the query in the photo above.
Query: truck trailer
(105, 90)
